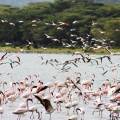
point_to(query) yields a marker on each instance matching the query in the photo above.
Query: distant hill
(25, 2)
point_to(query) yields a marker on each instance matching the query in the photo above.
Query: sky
(19, 2)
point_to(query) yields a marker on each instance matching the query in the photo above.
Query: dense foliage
(35, 21)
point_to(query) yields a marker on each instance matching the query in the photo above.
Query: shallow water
(31, 64)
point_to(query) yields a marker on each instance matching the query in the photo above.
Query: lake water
(31, 64)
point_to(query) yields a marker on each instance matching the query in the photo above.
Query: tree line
(60, 23)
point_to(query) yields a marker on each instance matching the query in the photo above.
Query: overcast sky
(19, 2)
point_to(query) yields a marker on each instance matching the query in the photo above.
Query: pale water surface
(31, 64)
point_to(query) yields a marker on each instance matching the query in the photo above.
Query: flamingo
(46, 104)
(22, 110)
(75, 116)
(82, 112)
(99, 108)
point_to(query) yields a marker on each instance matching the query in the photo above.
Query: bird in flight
(46, 104)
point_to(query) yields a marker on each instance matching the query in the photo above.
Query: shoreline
(115, 51)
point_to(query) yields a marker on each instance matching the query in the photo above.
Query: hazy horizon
(20, 2)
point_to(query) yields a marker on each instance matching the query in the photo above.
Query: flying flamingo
(46, 104)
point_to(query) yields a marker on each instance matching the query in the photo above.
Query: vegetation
(55, 50)
(32, 22)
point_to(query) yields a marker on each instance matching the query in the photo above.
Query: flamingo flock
(70, 38)
(73, 97)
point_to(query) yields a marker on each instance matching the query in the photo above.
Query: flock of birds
(84, 58)
(70, 36)
(9, 61)
(68, 96)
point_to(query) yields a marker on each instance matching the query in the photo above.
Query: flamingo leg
(68, 111)
(32, 116)
(50, 117)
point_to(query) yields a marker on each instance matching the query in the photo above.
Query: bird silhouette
(11, 62)
(46, 104)
(117, 90)
(3, 56)
(41, 89)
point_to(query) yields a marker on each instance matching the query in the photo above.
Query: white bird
(73, 35)
(12, 24)
(29, 43)
(20, 21)
(59, 28)
(47, 36)
(74, 22)
(53, 24)
(2, 21)
(73, 41)
(63, 23)
(56, 40)
(66, 45)
(34, 21)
